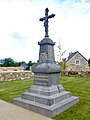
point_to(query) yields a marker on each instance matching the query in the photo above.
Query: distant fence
(15, 75)
(76, 73)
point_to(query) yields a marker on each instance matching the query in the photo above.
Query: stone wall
(15, 75)
(76, 73)
(11, 69)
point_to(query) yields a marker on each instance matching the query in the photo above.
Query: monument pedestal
(49, 101)
(47, 96)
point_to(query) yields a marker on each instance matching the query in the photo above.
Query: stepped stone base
(49, 101)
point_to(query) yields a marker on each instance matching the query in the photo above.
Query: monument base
(49, 101)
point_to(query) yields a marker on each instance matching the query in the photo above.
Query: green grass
(11, 89)
(76, 85)
(79, 87)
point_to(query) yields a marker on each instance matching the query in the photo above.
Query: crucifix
(45, 19)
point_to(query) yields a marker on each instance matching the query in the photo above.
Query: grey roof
(72, 54)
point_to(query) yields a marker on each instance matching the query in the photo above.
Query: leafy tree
(30, 63)
(7, 62)
(63, 64)
(89, 62)
(16, 64)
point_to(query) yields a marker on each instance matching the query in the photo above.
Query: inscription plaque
(43, 57)
(41, 80)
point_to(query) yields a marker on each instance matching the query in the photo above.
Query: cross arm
(51, 16)
(41, 19)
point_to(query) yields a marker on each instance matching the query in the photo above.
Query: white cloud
(20, 28)
(73, 7)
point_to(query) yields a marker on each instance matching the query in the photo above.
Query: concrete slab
(10, 111)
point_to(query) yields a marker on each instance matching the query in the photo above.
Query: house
(24, 65)
(1, 62)
(77, 62)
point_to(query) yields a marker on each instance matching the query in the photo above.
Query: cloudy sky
(20, 28)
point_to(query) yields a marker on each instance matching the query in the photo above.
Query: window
(70, 69)
(77, 62)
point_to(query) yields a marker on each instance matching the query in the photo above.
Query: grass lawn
(76, 85)
(12, 89)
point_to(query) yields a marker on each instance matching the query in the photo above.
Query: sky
(20, 28)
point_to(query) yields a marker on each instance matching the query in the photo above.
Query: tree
(30, 63)
(89, 62)
(63, 64)
(60, 53)
(7, 62)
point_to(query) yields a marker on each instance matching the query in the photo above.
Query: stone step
(45, 109)
(47, 100)
(48, 91)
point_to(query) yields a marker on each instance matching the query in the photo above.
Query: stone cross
(46, 96)
(45, 19)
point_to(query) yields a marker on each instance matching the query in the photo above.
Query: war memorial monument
(47, 96)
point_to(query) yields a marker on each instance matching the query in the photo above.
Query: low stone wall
(15, 75)
(18, 75)
(76, 73)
